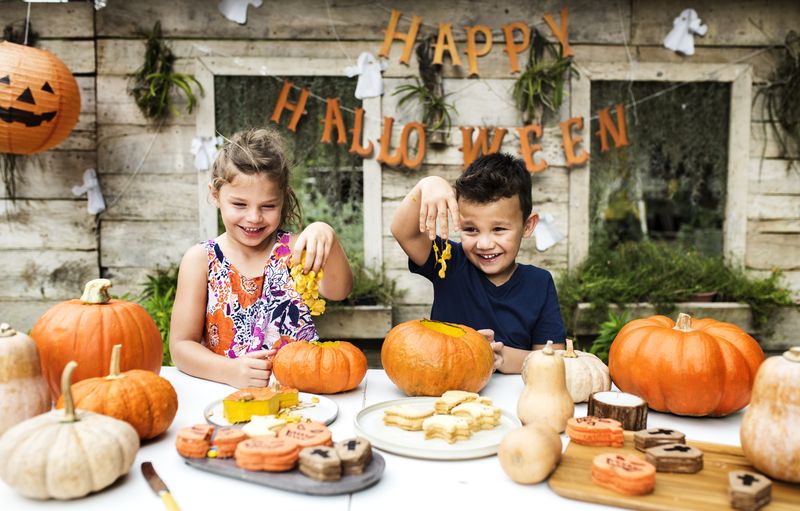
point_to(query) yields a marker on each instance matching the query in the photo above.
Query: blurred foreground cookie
(355, 453)
(226, 441)
(647, 438)
(194, 441)
(594, 431)
(268, 454)
(748, 491)
(320, 463)
(623, 473)
(483, 416)
(679, 458)
(447, 427)
(452, 398)
(406, 417)
(263, 426)
(307, 434)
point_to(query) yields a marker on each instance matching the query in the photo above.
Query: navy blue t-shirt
(522, 312)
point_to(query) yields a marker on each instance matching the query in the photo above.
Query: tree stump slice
(629, 409)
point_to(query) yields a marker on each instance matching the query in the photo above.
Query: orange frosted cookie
(194, 441)
(623, 473)
(226, 441)
(268, 454)
(594, 431)
(307, 434)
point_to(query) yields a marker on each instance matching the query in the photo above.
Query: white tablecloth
(407, 484)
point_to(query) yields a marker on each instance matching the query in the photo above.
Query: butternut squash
(545, 396)
(528, 454)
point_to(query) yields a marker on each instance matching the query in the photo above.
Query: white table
(407, 484)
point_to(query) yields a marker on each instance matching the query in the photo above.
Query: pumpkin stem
(684, 323)
(6, 330)
(96, 291)
(113, 368)
(66, 390)
(570, 350)
(793, 355)
(548, 348)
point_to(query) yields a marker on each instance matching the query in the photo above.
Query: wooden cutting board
(705, 490)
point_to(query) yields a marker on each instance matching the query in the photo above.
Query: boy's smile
(491, 235)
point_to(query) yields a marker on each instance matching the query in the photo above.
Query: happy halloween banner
(488, 140)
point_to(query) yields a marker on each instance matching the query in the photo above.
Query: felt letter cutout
(400, 157)
(527, 149)
(472, 149)
(333, 117)
(444, 41)
(408, 38)
(512, 48)
(618, 133)
(358, 128)
(283, 103)
(560, 32)
(472, 51)
(570, 142)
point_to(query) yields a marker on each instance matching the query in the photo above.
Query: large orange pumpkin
(86, 330)
(144, 400)
(428, 358)
(39, 100)
(692, 367)
(320, 367)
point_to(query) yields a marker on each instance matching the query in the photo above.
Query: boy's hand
(497, 347)
(436, 198)
(252, 369)
(317, 240)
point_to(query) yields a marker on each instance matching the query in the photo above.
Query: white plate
(325, 411)
(369, 424)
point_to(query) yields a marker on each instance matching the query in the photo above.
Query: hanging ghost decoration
(546, 232)
(681, 37)
(204, 150)
(91, 187)
(370, 81)
(236, 10)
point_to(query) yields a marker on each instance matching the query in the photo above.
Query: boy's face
(491, 234)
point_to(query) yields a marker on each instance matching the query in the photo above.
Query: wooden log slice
(630, 410)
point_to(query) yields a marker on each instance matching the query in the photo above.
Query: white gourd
(23, 390)
(545, 397)
(66, 454)
(586, 373)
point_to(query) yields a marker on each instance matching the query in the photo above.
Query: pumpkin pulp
(442, 327)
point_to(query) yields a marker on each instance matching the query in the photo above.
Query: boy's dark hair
(495, 176)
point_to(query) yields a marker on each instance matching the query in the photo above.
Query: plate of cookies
(283, 403)
(456, 425)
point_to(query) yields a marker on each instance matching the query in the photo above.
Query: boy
(484, 287)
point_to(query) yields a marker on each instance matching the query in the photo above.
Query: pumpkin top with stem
(792, 354)
(570, 350)
(6, 330)
(683, 323)
(66, 391)
(96, 292)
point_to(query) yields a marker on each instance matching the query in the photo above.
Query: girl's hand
(436, 198)
(252, 369)
(317, 240)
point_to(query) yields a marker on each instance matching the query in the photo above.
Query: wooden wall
(50, 243)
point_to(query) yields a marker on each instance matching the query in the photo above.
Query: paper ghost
(370, 81)
(204, 150)
(546, 232)
(91, 186)
(236, 10)
(681, 37)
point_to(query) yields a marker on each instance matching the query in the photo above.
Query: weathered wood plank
(402, 312)
(416, 289)
(154, 197)
(763, 62)
(737, 23)
(763, 142)
(122, 149)
(77, 55)
(362, 322)
(87, 121)
(145, 244)
(46, 224)
(768, 251)
(128, 281)
(53, 21)
(50, 174)
(353, 19)
(116, 106)
(772, 177)
(790, 226)
(46, 274)
(773, 207)
(22, 314)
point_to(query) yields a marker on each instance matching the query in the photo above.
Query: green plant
(608, 332)
(157, 298)
(541, 85)
(370, 287)
(153, 82)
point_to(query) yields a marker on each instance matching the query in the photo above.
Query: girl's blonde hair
(258, 151)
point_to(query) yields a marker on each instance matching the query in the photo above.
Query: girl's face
(250, 207)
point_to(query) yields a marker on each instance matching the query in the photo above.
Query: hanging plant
(153, 83)
(428, 90)
(782, 98)
(541, 85)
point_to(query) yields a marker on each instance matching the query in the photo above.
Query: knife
(158, 486)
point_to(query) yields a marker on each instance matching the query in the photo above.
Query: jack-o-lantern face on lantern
(39, 100)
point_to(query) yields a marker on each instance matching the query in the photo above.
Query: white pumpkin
(770, 432)
(66, 454)
(586, 373)
(23, 391)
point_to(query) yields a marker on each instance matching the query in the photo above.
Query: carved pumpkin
(692, 367)
(23, 391)
(428, 358)
(87, 329)
(66, 454)
(39, 99)
(770, 435)
(320, 367)
(144, 400)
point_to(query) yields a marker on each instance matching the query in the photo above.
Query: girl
(235, 301)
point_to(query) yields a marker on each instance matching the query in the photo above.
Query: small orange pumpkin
(39, 100)
(144, 400)
(689, 367)
(87, 329)
(320, 367)
(428, 358)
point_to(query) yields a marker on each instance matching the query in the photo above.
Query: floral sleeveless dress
(244, 314)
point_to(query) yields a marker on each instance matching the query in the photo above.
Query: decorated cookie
(647, 438)
(194, 441)
(269, 454)
(320, 463)
(453, 398)
(307, 434)
(748, 491)
(680, 458)
(483, 416)
(594, 431)
(263, 426)
(447, 427)
(623, 473)
(406, 417)
(226, 441)
(355, 453)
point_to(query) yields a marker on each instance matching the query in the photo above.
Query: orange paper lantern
(39, 99)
